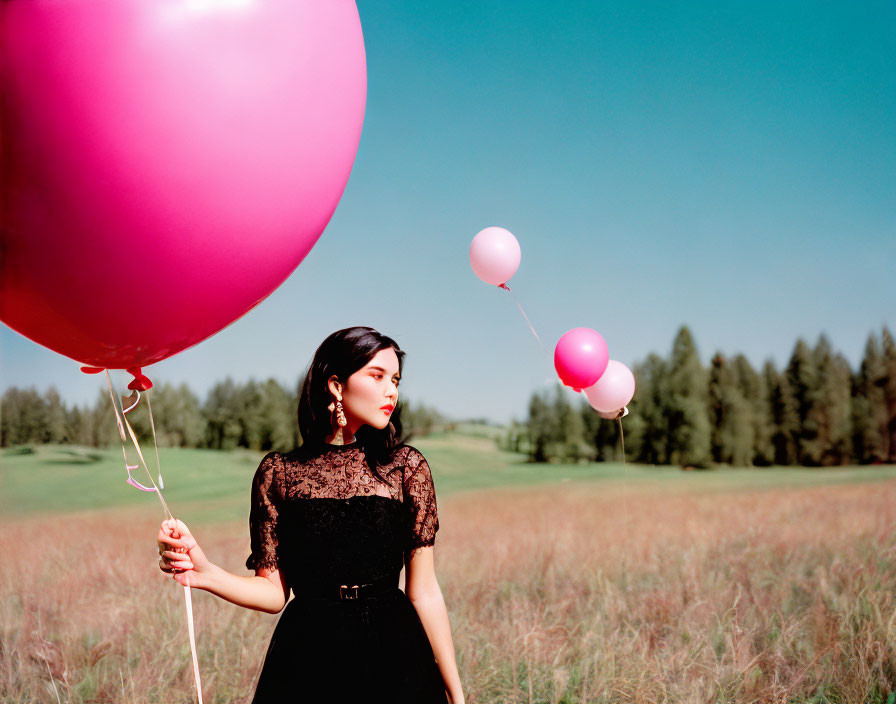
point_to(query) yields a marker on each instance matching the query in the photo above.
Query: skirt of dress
(365, 650)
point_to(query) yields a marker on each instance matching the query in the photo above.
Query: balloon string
(188, 599)
(122, 422)
(155, 443)
(118, 419)
(624, 477)
(621, 439)
(528, 322)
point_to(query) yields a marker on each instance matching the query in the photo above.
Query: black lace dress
(322, 518)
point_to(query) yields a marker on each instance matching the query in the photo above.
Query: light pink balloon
(167, 163)
(580, 357)
(613, 390)
(495, 255)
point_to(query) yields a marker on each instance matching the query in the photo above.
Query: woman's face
(371, 393)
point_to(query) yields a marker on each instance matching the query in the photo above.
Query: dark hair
(342, 354)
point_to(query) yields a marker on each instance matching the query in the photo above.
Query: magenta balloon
(167, 163)
(495, 255)
(580, 357)
(613, 390)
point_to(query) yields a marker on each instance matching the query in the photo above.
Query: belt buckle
(347, 594)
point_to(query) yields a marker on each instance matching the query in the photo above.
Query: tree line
(817, 411)
(259, 415)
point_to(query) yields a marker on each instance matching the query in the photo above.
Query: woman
(334, 521)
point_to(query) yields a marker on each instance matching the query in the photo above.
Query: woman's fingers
(176, 528)
(174, 566)
(186, 579)
(176, 557)
(173, 555)
(176, 542)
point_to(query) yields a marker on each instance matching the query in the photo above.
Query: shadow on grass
(74, 456)
(19, 450)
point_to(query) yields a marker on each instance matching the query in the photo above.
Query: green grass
(463, 462)
(213, 486)
(57, 479)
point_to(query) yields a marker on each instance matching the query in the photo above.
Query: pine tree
(689, 428)
(783, 451)
(602, 435)
(869, 408)
(647, 425)
(888, 384)
(539, 427)
(100, 420)
(717, 409)
(755, 394)
(10, 417)
(178, 416)
(249, 414)
(831, 409)
(54, 417)
(592, 431)
(222, 415)
(569, 429)
(801, 393)
(76, 425)
(731, 435)
(278, 417)
(23, 415)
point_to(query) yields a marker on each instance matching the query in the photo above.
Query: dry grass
(573, 593)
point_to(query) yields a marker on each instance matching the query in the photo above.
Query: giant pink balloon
(167, 163)
(580, 357)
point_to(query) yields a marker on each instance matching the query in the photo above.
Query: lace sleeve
(263, 516)
(420, 495)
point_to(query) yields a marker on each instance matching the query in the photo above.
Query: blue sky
(727, 166)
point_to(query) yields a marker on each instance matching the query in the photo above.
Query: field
(586, 583)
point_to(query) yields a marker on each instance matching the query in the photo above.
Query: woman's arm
(423, 590)
(188, 565)
(266, 591)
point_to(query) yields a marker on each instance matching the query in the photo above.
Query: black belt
(348, 591)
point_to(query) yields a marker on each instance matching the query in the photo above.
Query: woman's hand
(182, 557)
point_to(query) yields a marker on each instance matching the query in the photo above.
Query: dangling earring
(340, 416)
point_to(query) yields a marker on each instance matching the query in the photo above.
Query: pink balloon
(613, 390)
(495, 255)
(167, 163)
(580, 357)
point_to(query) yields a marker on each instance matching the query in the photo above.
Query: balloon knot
(140, 382)
(92, 370)
(504, 286)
